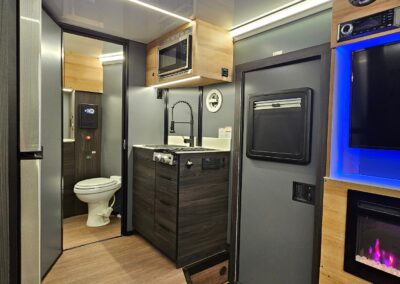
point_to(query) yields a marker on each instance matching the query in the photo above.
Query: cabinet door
(143, 192)
(165, 209)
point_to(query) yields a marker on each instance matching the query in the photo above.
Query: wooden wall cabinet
(83, 73)
(343, 11)
(212, 50)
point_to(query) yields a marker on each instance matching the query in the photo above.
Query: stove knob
(162, 160)
(156, 158)
(189, 164)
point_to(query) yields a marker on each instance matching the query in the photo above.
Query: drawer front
(167, 189)
(165, 214)
(167, 171)
(144, 189)
(143, 217)
(165, 240)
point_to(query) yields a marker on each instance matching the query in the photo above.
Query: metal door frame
(322, 53)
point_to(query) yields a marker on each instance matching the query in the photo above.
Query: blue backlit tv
(375, 98)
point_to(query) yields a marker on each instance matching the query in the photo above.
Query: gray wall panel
(111, 101)
(310, 31)
(51, 221)
(181, 111)
(222, 118)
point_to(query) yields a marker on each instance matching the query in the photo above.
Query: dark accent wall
(79, 162)
(87, 163)
(9, 196)
(72, 206)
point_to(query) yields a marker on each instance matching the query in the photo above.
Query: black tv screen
(375, 98)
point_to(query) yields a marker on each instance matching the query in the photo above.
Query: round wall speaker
(359, 3)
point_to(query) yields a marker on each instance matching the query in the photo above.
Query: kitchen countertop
(167, 147)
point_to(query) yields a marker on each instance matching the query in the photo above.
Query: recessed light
(161, 10)
(176, 82)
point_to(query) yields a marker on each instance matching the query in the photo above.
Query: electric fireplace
(372, 246)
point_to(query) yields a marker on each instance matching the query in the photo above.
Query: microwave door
(175, 57)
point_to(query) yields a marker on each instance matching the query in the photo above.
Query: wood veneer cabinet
(182, 210)
(212, 50)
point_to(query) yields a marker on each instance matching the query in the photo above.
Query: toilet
(97, 192)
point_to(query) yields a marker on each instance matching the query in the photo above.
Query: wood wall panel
(343, 11)
(82, 73)
(333, 229)
(72, 206)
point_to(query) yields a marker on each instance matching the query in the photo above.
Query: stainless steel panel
(51, 218)
(30, 221)
(30, 96)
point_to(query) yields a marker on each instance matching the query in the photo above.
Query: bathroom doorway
(93, 135)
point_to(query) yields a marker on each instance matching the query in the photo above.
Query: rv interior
(200, 142)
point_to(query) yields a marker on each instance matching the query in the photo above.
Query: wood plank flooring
(76, 233)
(120, 260)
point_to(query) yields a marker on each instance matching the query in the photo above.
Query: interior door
(276, 232)
(51, 216)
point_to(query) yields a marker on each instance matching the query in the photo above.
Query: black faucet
(191, 122)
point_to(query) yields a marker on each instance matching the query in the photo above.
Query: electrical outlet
(303, 192)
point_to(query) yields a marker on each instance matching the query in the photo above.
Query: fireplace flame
(381, 256)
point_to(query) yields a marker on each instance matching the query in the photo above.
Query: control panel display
(376, 23)
(88, 116)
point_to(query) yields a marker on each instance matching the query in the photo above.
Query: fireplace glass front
(372, 247)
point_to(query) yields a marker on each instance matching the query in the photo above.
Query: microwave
(175, 55)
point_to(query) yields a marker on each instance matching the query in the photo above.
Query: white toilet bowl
(97, 192)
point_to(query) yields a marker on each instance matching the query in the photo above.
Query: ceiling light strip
(108, 57)
(173, 83)
(268, 13)
(281, 15)
(161, 10)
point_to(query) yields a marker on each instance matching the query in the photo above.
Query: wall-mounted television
(375, 98)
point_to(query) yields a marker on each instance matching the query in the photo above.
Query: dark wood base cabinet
(182, 209)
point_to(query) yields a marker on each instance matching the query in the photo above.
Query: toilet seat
(96, 185)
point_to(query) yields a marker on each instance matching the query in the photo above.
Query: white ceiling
(129, 20)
